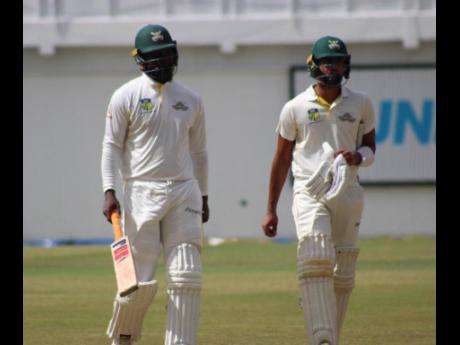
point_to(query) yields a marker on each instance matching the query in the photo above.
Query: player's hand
(270, 224)
(205, 214)
(110, 205)
(352, 157)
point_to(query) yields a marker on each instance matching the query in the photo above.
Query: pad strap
(344, 271)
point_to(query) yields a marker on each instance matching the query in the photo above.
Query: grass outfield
(250, 295)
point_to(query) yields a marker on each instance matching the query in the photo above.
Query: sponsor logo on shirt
(347, 117)
(188, 209)
(180, 106)
(146, 104)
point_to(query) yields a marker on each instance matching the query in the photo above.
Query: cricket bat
(123, 262)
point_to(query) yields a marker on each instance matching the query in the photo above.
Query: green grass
(250, 295)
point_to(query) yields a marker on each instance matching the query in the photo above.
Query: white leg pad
(344, 279)
(184, 279)
(315, 263)
(129, 311)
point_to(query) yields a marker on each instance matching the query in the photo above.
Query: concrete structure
(237, 55)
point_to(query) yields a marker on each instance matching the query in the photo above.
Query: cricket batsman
(327, 132)
(155, 137)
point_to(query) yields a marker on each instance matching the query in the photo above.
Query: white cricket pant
(160, 214)
(338, 219)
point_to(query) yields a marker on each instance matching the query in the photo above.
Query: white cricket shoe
(122, 341)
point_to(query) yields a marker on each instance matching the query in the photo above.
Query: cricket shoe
(123, 340)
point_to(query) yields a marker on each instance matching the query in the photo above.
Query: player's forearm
(280, 168)
(200, 169)
(111, 157)
(112, 147)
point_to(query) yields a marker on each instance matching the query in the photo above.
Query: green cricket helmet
(155, 53)
(328, 47)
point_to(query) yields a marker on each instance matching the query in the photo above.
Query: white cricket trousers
(338, 219)
(165, 213)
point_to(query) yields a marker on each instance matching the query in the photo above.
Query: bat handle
(115, 217)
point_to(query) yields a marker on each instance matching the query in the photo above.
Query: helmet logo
(334, 44)
(157, 36)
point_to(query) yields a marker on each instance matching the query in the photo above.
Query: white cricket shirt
(154, 132)
(310, 123)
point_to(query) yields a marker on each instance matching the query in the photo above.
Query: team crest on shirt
(313, 115)
(347, 117)
(180, 106)
(146, 105)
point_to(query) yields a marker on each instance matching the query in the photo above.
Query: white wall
(399, 210)
(65, 99)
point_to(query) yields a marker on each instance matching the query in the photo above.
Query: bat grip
(115, 217)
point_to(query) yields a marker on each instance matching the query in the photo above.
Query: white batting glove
(320, 181)
(340, 172)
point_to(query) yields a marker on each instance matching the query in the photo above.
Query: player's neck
(329, 94)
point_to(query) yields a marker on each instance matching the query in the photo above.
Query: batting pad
(315, 263)
(184, 279)
(344, 279)
(129, 311)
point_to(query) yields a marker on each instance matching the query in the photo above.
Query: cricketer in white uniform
(327, 132)
(155, 136)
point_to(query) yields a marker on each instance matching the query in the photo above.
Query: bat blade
(125, 271)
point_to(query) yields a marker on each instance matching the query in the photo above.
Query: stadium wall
(65, 97)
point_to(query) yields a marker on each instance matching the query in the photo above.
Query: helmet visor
(333, 66)
(157, 60)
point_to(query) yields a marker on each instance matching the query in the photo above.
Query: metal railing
(215, 8)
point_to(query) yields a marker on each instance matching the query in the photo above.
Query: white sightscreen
(404, 100)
